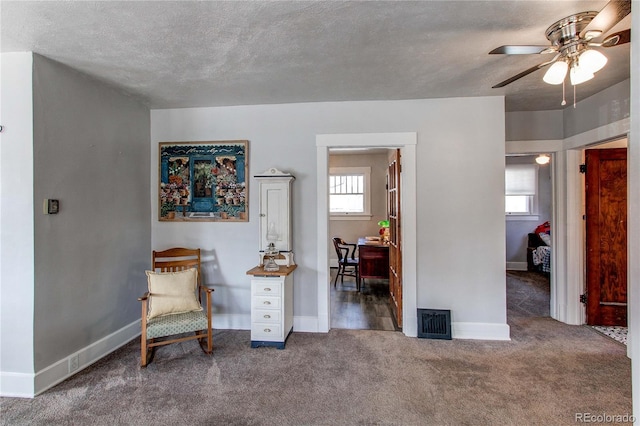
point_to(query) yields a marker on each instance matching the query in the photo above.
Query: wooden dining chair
(173, 304)
(347, 262)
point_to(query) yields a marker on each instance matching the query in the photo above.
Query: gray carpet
(546, 374)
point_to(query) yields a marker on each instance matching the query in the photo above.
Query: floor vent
(434, 324)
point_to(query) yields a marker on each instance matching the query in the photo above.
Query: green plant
(167, 206)
(231, 209)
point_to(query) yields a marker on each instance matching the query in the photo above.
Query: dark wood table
(373, 259)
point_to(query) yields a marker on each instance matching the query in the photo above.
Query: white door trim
(567, 265)
(407, 142)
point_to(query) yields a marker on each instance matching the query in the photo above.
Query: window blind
(520, 179)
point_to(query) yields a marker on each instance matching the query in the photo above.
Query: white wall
(461, 154)
(16, 226)
(633, 230)
(460, 182)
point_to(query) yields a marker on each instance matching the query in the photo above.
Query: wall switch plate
(51, 206)
(74, 363)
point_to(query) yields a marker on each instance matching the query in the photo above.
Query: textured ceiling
(209, 53)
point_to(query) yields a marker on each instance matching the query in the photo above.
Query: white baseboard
(410, 325)
(56, 373)
(517, 266)
(480, 331)
(29, 385)
(306, 324)
(16, 385)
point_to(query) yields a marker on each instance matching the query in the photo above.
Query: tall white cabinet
(272, 291)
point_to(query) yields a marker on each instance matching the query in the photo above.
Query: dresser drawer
(266, 302)
(266, 315)
(265, 331)
(266, 288)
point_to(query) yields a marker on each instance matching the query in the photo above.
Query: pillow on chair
(172, 292)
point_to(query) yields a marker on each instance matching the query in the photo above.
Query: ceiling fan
(572, 41)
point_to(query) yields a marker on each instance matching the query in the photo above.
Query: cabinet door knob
(267, 316)
(267, 330)
(267, 302)
(267, 289)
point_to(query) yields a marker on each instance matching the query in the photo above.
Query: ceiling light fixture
(556, 73)
(543, 159)
(581, 68)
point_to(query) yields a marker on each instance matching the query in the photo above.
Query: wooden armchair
(173, 304)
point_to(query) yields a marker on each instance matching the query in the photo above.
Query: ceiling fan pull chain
(574, 96)
(564, 101)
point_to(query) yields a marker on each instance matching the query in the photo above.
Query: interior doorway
(406, 142)
(358, 185)
(529, 206)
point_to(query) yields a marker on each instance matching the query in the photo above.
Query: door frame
(567, 265)
(407, 142)
(575, 241)
(568, 258)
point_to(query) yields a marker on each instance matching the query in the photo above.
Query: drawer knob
(267, 289)
(267, 330)
(267, 316)
(267, 302)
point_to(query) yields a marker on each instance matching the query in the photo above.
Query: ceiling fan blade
(521, 50)
(617, 39)
(523, 73)
(610, 15)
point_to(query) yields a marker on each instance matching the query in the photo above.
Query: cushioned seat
(168, 325)
(172, 310)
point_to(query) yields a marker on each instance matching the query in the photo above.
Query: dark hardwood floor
(369, 309)
(365, 310)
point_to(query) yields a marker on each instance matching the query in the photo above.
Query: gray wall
(351, 230)
(534, 125)
(91, 151)
(607, 106)
(517, 230)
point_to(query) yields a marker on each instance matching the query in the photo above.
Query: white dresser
(271, 306)
(272, 290)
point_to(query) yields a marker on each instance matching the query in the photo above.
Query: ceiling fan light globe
(579, 75)
(592, 60)
(556, 73)
(543, 159)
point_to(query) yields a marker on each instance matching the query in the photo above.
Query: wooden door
(395, 242)
(606, 228)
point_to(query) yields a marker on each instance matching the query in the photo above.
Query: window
(349, 192)
(521, 189)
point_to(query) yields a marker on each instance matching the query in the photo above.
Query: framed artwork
(204, 181)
